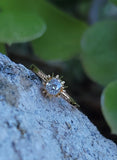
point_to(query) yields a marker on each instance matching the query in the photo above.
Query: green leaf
(62, 39)
(19, 5)
(114, 1)
(3, 49)
(63, 35)
(20, 27)
(99, 57)
(109, 105)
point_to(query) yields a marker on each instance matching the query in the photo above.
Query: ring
(53, 86)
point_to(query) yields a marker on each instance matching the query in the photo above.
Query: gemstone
(53, 87)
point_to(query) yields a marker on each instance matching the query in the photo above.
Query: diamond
(53, 87)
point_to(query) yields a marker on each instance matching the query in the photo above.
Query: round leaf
(20, 27)
(99, 57)
(62, 39)
(109, 105)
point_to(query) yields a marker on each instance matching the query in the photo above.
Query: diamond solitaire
(53, 86)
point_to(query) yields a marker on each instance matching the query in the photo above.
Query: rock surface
(33, 127)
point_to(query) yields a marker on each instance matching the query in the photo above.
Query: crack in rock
(16, 151)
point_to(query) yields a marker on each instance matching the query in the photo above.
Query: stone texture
(33, 127)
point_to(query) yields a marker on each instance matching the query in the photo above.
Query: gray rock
(33, 127)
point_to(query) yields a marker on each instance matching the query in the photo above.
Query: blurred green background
(76, 39)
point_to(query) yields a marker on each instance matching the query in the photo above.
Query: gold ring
(53, 86)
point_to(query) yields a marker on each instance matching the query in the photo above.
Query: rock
(33, 127)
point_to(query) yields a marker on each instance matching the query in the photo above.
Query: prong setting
(53, 86)
(49, 76)
(63, 82)
(57, 76)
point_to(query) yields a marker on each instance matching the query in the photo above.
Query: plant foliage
(109, 105)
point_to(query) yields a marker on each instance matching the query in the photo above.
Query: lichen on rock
(33, 127)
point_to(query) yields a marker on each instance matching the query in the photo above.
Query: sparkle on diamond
(53, 87)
